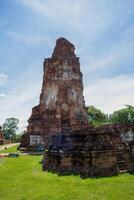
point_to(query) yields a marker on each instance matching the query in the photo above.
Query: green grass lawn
(22, 179)
(11, 150)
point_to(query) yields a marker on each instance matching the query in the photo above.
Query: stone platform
(91, 152)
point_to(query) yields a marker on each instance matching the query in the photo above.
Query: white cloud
(3, 79)
(117, 59)
(86, 18)
(111, 94)
(32, 40)
(54, 10)
(2, 95)
(21, 98)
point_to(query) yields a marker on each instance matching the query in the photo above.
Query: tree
(18, 137)
(10, 128)
(125, 115)
(96, 116)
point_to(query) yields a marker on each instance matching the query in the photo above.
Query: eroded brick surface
(92, 152)
(61, 107)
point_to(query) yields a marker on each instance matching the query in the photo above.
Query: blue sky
(102, 32)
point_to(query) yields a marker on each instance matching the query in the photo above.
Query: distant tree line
(98, 118)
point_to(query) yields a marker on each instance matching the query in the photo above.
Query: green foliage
(17, 137)
(23, 179)
(125, 115)
(10, 127)
(96, 116)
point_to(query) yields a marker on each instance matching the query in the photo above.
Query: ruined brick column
(61, 107)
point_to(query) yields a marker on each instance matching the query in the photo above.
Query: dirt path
(2, 147)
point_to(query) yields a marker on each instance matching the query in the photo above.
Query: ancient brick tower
(62, 106)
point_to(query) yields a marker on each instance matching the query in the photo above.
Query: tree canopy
(10, 128)
(125, 115)
(96, 116)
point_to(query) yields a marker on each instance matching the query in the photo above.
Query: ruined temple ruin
(60, 123)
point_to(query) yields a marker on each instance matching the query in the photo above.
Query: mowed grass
(22, 179)
(11, 150)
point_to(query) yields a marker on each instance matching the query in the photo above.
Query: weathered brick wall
(91, 152)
